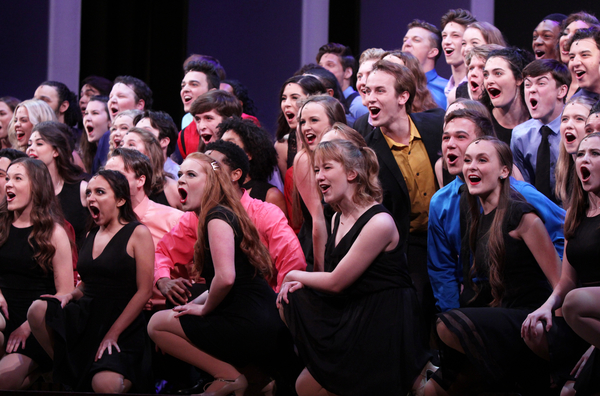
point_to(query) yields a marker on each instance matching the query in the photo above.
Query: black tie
(542, 165)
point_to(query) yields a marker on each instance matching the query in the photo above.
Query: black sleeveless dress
(245, 327)
(110, 283)
(491, 337)
(366, 340)
(258, 189)
(22, 281)
(583, 252)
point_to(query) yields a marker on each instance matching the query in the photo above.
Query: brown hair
(155, 154)
(491, 34)
(579, 202)
(404, 79)
(220, 191)
(423, 99)
(45, 212)
(495, 246)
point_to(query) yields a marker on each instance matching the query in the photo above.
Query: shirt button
(424, 194)
(417, 174)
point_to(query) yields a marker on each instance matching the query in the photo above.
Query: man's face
(207, 123)
(49, 95)
(417, 42)
(383, 102)
(545, 39)
(193, 85)
(116, 164)
(87, 91)
(543, 97)
(457, 136)
(121, 98)
(452, 36)
(584, 63)
(333, 63)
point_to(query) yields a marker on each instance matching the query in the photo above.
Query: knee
(575, 302)
(108, 382)
(36, 315)
(445, 335)
(538, 344)
(156, 323)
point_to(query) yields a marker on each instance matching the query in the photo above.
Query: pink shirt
(176, 248)
(159, 219)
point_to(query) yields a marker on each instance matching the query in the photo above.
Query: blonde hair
(565, 165)
(361, 160)
(220, 191)
(37, 111)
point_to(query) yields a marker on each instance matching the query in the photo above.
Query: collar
(142, 208)
(414, 134)
(431, 75)
(348, 91)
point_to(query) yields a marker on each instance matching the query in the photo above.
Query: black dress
(367, 339)
(491, 337)
(258, 189)
(110, 283)
(583, 252)
(245, 327)
(75, 213)
(23, 281)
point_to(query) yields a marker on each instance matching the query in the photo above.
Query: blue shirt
(444, 237)
(186, 120)
(524, 143)
(357, 109)
(436, 85)
(101, 153)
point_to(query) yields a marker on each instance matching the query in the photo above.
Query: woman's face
(40, 149)
(333, 180)
(482, 169)
(289, 106)
(587, 164)
(191, 184)
(19, 197)
(23, 127)
(101, 200)
(134, 141)
(572, 126)
(6, 114)
(566, 35)
(500, 82)
(96, 120)
(475, 77)
(592, 124)
(472, 38)
(361, 77)
(313, 124)
(119, 129)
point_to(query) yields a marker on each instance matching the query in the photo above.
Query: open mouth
(187, 99)
(449, 51)
(579, 74)
(89, 128)
(20, 135)
(569, 137)
(95, 212)
(494, 92)
(324, 188)
(182, 195)
(310, 138)
(473, 179)
(206, 137)
(117, 142)
(474, 86)
(451, 158)
(533, 103)
(290, 116)
(114, 110)
(539, 54)
(585, 174)
(10, 196)
(374, 110)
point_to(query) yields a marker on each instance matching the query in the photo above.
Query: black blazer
(362, 126)
(430, 124)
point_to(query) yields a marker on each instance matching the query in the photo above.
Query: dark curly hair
(241, 92)
(257, 144)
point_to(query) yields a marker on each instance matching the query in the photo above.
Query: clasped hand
(534, 323)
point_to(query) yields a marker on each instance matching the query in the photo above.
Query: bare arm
(304, 176)
(222, 247)
(276, 197)
(140, 247)
(439, 172)
(378, 235)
